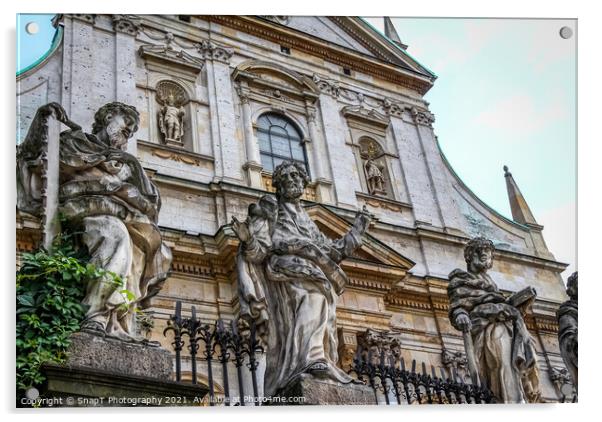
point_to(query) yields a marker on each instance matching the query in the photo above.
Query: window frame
(294, 134)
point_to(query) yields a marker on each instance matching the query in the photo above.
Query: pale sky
(505, 94)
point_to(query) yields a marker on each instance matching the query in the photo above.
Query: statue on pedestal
(172, 99)
(374, 175)
(503, 355)
(567, 328)
(289, 279)
(103, 192)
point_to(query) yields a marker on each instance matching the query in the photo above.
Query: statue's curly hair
(109, 109)
(475, 244)
(277, 175)
(571, 285)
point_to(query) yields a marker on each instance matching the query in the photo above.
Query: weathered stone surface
(320, 392)
(74, 386)
(289, 279)
(115, 356)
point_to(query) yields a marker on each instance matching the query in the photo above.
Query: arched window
(279, 140)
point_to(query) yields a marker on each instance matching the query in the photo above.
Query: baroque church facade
(224, 99)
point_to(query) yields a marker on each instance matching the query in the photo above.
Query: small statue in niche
(171, 115)
(373, 169)
(374, 176)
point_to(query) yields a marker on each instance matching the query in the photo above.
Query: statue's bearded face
(481, 259)
(291, 183)
(119, 129)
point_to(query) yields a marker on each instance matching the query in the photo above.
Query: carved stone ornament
(211, 51)
(127, 24)
(289, 279)
(491, 325)
(172, 98)
(373, 346)
(422, 117)
(167, 52)
(105, 194)
(282, 20)
(327, 86)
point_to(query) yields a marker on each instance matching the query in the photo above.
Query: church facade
(225, 99)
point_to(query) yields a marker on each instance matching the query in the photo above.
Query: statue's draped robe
(292, 294)
(504, 349)
(567, 336)
(107, 193)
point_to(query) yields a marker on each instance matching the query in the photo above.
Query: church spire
(521, 213)
(391, 33)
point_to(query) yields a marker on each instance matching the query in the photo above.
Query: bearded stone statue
(103, 192)
(289, 279)
(504, 351)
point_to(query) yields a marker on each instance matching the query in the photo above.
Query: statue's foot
(318, 368)
(94, 327)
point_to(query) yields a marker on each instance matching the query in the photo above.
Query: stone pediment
(166, 53)
(372, 250)
(275, 76)
(364, 114)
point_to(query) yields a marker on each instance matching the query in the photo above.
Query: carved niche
(172, 99)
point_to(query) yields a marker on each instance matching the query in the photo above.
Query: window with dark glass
(279, 140)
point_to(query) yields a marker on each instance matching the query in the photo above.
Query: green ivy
(50, 288)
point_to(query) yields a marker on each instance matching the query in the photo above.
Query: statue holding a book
(500, 351)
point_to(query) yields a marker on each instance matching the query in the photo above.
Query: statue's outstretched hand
(241, 229)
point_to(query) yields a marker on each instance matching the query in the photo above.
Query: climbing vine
(50, 289)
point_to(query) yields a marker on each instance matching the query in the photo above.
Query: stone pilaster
(253, 164)
(319, 158)
(342, 160)
(126, 28)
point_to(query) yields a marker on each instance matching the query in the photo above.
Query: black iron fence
(228, 346)
(220, 344)
(395, 384)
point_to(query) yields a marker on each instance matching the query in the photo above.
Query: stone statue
(104, 193)
(289, 278)
(374, 176)
(503, 351)
(567, 328)
(171, 120)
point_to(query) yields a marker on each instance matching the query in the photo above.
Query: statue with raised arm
(104, 192)
(503, 351)
(289, 279)
(567, 328)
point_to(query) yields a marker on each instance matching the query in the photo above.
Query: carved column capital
(311, 114)
(422, 117)
(126, 24)
(243, 94)
(392, 108)
(327, 86)
(211, 51)
(88, 18)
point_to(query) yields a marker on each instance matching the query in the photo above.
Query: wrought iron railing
(397, 385)
(228, 346)
(223, 344)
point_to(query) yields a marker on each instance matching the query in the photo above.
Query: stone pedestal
(324, 392)
(108, 354)
(76, 386)
(105, 372)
